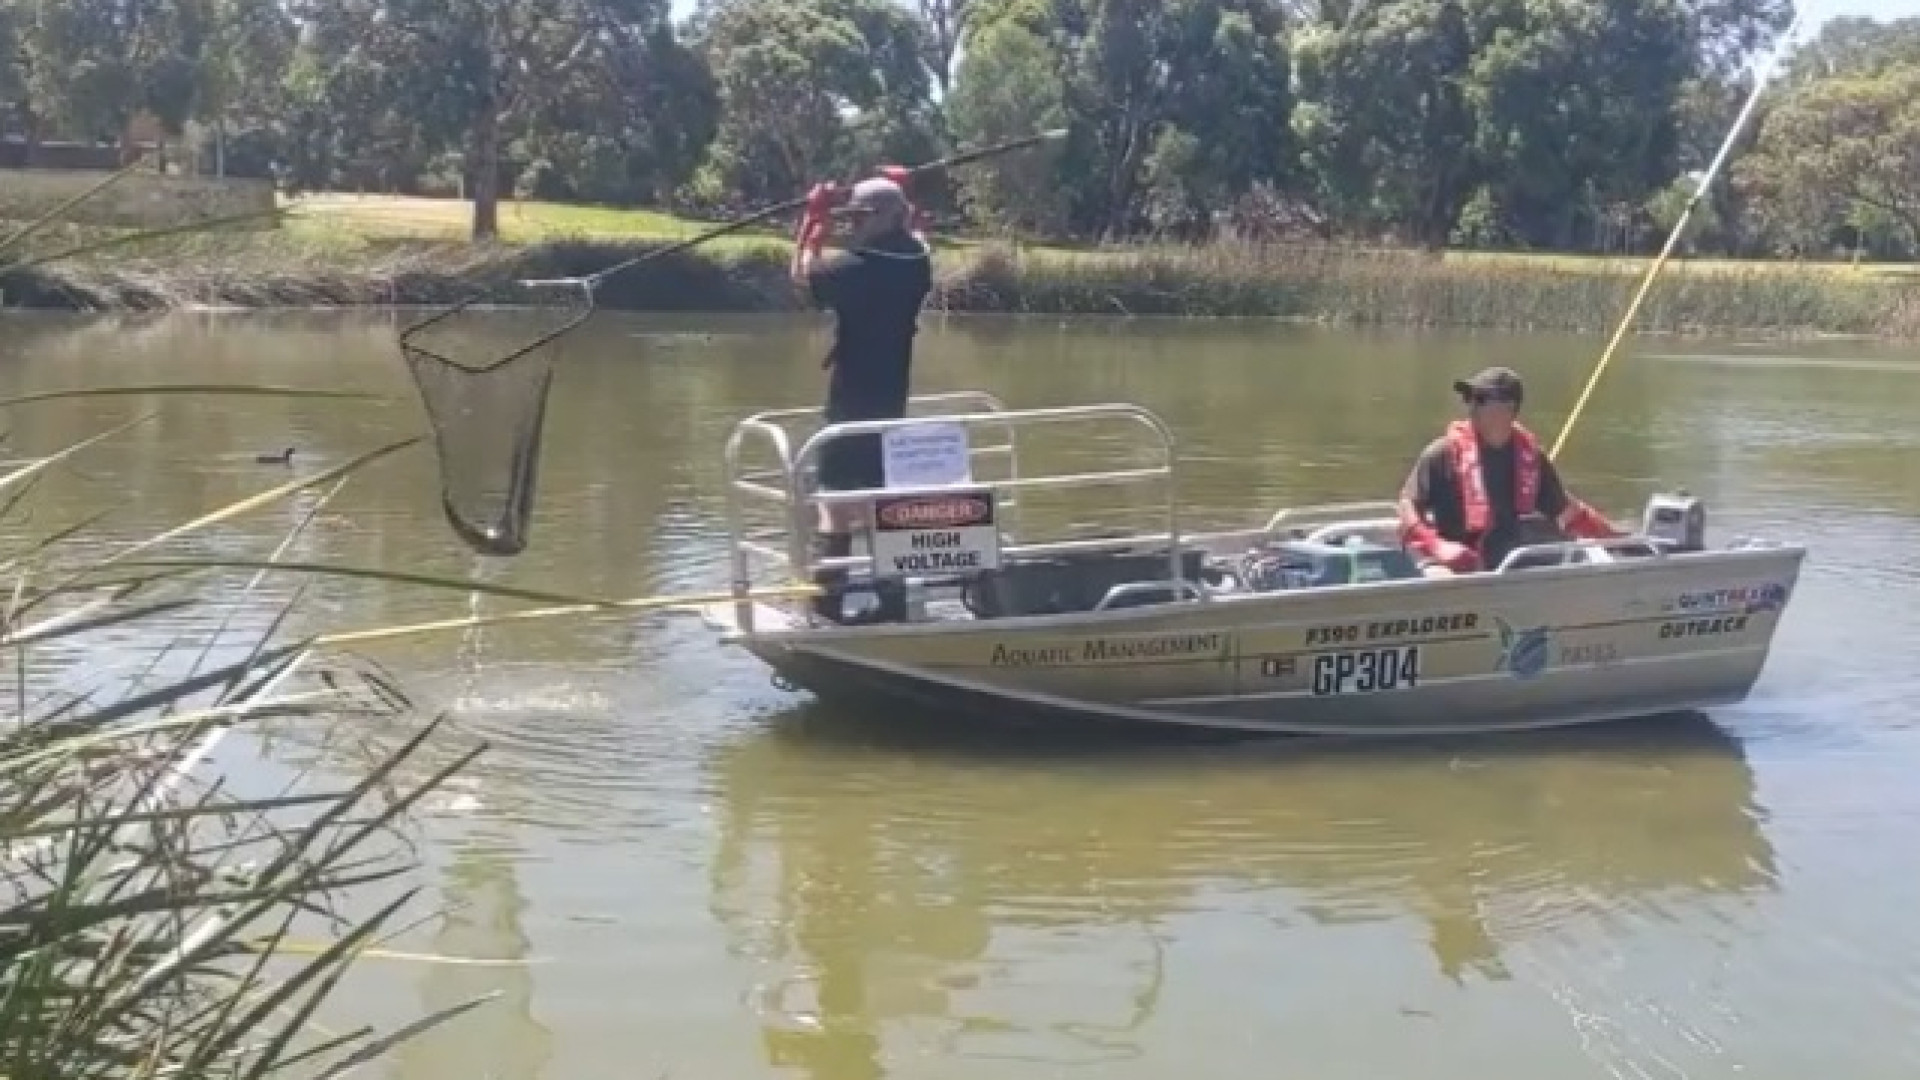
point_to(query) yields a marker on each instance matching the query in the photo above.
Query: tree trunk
(30, 123)
(484, 163)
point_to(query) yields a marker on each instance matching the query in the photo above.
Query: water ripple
(1718, 900)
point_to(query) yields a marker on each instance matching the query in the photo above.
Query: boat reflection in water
(905, 887)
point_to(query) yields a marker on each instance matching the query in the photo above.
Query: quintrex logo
(936, 513)
(1750, 600)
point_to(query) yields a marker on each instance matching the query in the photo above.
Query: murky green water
(716, 880)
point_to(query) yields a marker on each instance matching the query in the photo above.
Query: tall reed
(152, 915)
(1322, 283)
(1328, 283)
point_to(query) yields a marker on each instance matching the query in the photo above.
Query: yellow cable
(287, 947)
(644, 603)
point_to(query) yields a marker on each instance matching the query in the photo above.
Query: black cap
(1496, 382)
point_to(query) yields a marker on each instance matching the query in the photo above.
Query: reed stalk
(157, 918)
(1332, 284)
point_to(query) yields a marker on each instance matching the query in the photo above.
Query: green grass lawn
(338, 217)
(384, 217)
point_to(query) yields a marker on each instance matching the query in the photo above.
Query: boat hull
(1548, 647)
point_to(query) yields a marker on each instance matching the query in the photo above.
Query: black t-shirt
(1432, 488)
(875, 294)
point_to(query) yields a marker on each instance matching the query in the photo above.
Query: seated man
(1463, 506)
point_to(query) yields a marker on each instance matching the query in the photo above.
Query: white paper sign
(935, 535)
(925, 455)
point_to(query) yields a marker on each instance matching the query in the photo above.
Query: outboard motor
(1676, 521)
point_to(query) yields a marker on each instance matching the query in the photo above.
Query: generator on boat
(1312, 564)
(1078, 582)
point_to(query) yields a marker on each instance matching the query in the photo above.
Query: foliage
(1339, 284)
(1007, 87)
(387, 94)
(809, 87)
(1856, 46)
(1534, 124)
(92, 67)
(1843, 150)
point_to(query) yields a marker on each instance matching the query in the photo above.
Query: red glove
(1588, 524)
(903, 176)
(812, 233)
(1456, 557)
(821, 200)
(1420, 539)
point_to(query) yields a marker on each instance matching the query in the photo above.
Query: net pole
(488, 418)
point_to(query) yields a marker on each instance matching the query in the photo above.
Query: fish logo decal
(1523, 653)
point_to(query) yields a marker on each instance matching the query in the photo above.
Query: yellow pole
(1762, 77)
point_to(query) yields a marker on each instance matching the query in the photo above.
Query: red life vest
(1465, 450)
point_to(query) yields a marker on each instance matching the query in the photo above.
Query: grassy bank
(350, 250)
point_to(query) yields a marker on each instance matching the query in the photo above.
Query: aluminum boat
(1314, 622)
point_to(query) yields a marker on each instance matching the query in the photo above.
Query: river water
(705, 876)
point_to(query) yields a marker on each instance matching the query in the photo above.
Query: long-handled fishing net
(487, 416)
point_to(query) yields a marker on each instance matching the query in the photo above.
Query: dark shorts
(852, 462)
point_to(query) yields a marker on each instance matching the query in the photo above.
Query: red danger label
(934, 512)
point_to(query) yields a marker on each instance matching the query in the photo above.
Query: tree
(1230, 124)
(1036, 17)
(1006, 87)
(1612, 72)
(1136, 73)
(1855, 46)
(633, 137)
(812, 89)
(95, 64)
(250, 45)
(1388, 132)
(1665, 206)
(13, 66)
(352, 113)
(1725, 33)
(1841, 152)
(486, 69)
(943, 20)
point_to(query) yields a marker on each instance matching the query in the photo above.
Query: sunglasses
(1484, 398)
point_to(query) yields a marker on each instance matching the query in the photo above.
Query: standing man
(874, 288)
(1462, 506)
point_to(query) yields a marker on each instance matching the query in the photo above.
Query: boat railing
(1315, 522)
(1191, 590)
(774, 484)
(1561, 552)
(791, 486)
(771, 484)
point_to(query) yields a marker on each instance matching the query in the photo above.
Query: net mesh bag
(483, 375)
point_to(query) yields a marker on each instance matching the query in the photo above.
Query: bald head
(876, 206)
